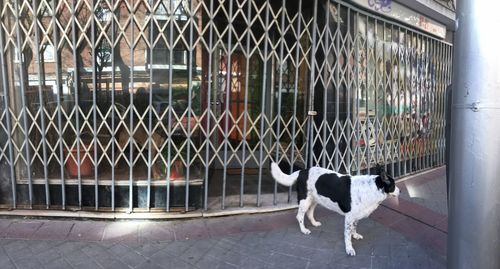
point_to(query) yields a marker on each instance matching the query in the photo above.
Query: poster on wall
(403, 14)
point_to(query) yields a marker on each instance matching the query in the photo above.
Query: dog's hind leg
(310, 215)
(303, 208)
(355, 234)
(348, 228)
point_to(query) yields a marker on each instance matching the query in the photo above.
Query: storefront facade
(167, 106)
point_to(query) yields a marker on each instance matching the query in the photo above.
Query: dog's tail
(281, 177)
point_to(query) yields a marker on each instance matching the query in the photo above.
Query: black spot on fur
(302, 185)
(338, 189)
(387, 185)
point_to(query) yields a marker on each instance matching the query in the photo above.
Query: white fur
(365, 198)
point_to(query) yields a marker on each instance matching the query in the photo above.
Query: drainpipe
(474, 212)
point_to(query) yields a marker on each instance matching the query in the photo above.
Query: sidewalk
(409, 232)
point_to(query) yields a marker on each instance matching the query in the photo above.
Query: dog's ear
(385, 178)
(379, 169)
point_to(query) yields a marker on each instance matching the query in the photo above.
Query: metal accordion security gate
(178, 105)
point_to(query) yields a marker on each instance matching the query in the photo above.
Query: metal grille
(181, 105)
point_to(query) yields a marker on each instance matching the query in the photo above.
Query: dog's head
(385, 182)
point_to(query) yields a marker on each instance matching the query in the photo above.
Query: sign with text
(404, 14)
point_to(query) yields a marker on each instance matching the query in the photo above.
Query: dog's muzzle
(395, 193)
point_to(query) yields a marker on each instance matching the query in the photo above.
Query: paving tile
(409, 227)
(149, 249)
(41, 246)
(209, 261)
(28, 263)
(87, 230)
(442, 225)
(76, 258)
(386, 216)
(285, 261)
(191, 230)
(48, 256)
(132, 259)
(59, 263)
(54, 230)
(4, 224)
(435, 239)
(196, 251)
(87, 265)
(223, 226)
(165, 260)
(126, 231)
(155, 232)
(5, 261)
(22, 229)
(145, 265)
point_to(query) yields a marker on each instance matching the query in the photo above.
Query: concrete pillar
(474, 213)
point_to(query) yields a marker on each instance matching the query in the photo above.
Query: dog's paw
(316, 224)
(357, 236)
(305, 231)
(350, 251)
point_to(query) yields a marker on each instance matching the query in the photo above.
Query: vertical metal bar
(441, 93)
(59, 107)
(444, 84)
(411, 142)
(190, 90)
(310, 119)
(94, 106)
(357, 87)
(23, 103)
(407, 68)
(209, 105)
(296, 91)
(349, 87)
(376, 93)
(419, 94)
(438, 102)
(367, 89)
(7, 116)
(280, 85)
(150, 100)
(338, 88)
(263, 103)
(376, 79)
(428, 86)
(228, 93)
(446, 69)
(394, 101)
(77, 101)
(325, 74)
(41, 108)
(131, 114)
(448, 53)
(399, 112)
(385, 127)
(113, 107)
(245, 117)
(424, 92)
(170, 100)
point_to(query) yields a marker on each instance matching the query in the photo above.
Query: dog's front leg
(355, 234)
(348, 228)
(303, 207)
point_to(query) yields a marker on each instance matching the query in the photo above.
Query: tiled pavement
(409, 232)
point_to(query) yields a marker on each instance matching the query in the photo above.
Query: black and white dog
(355, 197)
